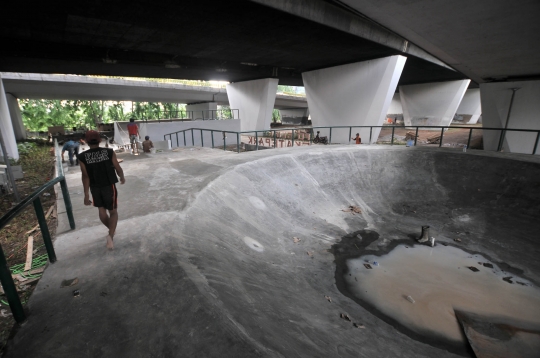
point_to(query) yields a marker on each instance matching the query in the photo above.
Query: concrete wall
(525, 114)
(354, 94)
(297, 116)
(255, 102)
(201, 110)
(156, 131)
(6, 127)
(470, 105)
(16, 117)
(431, 104)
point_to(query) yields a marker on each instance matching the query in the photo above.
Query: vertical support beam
(392, 141)
(469, 140)
(442, 135)
(416, 136)
(44, 230)
(184, 138)
(202, 140)
(6, 127)
(67, 203)
(330, 138)
(292, 137)
(370, 134)
(192, 138)
(256, 140)
(350, 134)
(212, 135)
(238, 142)
(177, 143)
(275, 139)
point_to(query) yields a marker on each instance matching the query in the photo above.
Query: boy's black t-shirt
(99, 166)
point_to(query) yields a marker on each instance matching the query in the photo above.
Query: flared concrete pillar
(255, 102)
(470, 107)
(395, 111)
(354, 94)
(525, 113)
(431, 104)
(16, 117)
(5, 125)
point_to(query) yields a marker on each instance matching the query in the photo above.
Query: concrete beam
(16, 117)
(255, 102)
(431, 104)
(354, 94)
(5, 125)
(298, 116)
(496, 98)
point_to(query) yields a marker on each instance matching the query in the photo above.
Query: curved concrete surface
(205, 263)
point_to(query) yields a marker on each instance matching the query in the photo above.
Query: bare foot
(110, 244)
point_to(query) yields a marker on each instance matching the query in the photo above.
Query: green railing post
(184, 138)
(224, 139)
(274, 139)
(350, 133)
(10, 290)
(177, 143)
(202, 141)
(393, 129)
(469, 140)
(192, 138)
(238, 142)
(370, 134)
(416, 136)
(442, 135)
(212, 135)
(44, 230)
(256, 140)
(67, 203)
(330, 138)
(292, 137)
(536, 143)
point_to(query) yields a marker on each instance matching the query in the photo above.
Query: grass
(38, 168)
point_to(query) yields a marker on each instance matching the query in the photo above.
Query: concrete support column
(255, 102)
(395, 110)
(525, 114)
(298, 116)
(470, 107)
(16, 117)
(432, 104)
(354, 94)
(5, 125)
(199, 111)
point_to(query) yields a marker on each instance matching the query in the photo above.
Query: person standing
(99, 168)
(71, 147)
(357, 138)
(133, 131)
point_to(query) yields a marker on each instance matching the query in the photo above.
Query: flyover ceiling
(204, 40)
(487, 40)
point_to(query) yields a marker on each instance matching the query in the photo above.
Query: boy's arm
(151, 144)
(86, 184)
(118, 168)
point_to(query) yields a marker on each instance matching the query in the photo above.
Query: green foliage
(276, 116)
(26, 148)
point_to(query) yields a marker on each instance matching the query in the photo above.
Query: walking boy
(99, 168)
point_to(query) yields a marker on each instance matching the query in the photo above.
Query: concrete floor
(205, 264)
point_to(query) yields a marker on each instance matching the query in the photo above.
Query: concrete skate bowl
(314, 297)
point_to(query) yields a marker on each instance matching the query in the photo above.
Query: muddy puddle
(416, 288)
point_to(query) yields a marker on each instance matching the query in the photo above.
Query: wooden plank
(29, 253)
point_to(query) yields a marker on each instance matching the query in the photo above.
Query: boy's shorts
(105, 197)
(133, 138)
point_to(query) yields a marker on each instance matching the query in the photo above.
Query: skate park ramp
(259, 255)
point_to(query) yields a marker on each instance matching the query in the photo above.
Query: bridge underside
(203, 40)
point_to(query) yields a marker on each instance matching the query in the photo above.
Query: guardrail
(5, 274)
(205, 115)
(502, 135)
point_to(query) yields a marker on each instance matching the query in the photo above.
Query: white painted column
(470, 105)
(255, 102)
(16, 117)
(431, 104)
(5, 125)
(525, 114)
(354, 94)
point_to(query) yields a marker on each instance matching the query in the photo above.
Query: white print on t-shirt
(96, 157)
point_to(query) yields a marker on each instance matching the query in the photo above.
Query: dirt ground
(451, 137)
(38, 168)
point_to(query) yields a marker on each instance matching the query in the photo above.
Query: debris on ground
(68, 283)
(473, 269)
(487, 264)
(359, 325)
(328, 298)
(309, 253)
(457, 240)
(345, 317)
(410, 299)
(103, 294)
(508, 279)
(368, 266)
(4, 313)
(29, 253)
(352, 209)
(375, 263)
(296, 239)
(76, 293)
(434, 139)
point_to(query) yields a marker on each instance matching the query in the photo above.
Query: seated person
(147, 144)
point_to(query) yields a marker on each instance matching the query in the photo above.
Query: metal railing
(207, 114)
(174, 136)
(5, 274)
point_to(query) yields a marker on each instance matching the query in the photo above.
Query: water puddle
(417, 288)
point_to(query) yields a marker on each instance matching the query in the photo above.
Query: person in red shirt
(100, 171)
(357, 138)
(133, 131)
